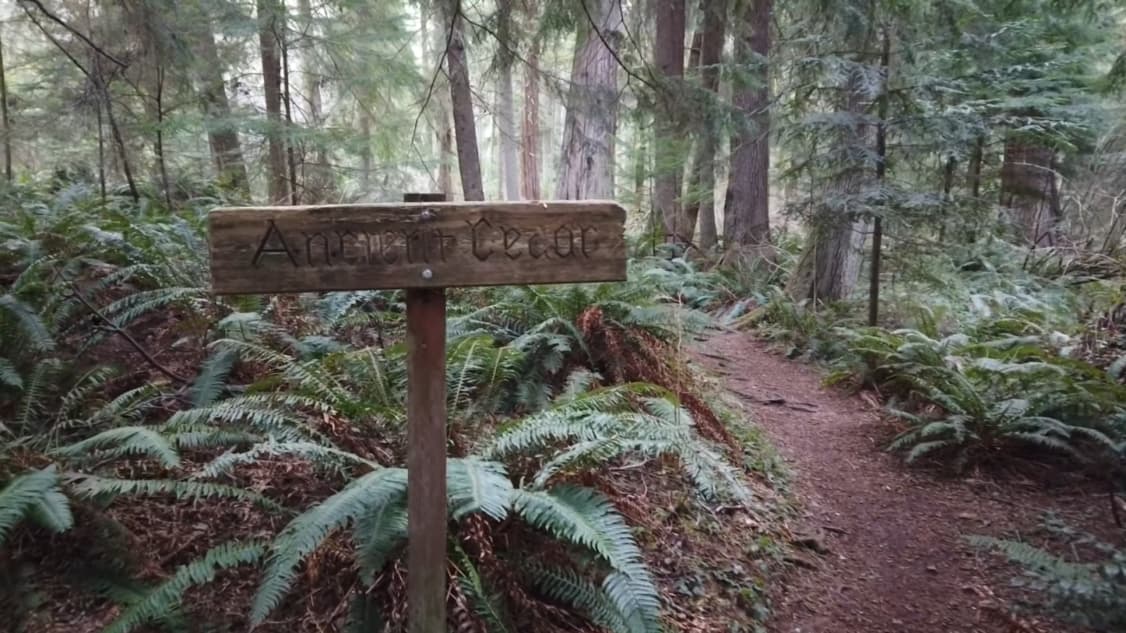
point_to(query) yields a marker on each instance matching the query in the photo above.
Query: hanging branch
(117, 329)
(70, 29)
(95, 78)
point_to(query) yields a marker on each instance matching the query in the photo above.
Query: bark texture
(530, 128)
(271, 22)
(746, 219)
(829, 267)
(222, 135)
(465, 126)
(668, 56)
(1030, 191)
(586, 169)
(701, 191)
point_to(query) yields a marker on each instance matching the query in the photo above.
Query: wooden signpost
(423, 246)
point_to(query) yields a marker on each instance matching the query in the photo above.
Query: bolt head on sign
(415, 245)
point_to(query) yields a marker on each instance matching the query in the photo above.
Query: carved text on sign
(415, 245)
(482, 238)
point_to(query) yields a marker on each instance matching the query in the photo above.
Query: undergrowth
(125, 386)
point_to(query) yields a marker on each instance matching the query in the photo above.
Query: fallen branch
(117, 329)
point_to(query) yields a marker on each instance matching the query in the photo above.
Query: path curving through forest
(884, 543)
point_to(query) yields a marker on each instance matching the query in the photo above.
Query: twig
(75, 32)
(122, 333)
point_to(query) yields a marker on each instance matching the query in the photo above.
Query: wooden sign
(423, 245)
(415, 245)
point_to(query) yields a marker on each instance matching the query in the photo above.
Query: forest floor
(881, 546)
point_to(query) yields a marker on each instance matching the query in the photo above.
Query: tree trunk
(701, 190)
(465, 126)
(668, 56)
(365, 151)
(881, 172)
(316, 178)
(530, 127)
(270, 23)
(222, 136)
(976, 160)
(746, 217)
(158, 106)
(508, 148)
(586, 166)
(829, 267)
(1030, 192)
(435, 40)
(287, 96)
(4, 120)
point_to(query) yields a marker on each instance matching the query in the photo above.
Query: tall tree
(746, 218)
(4, 120)
(461, 96)
(530, 159)
(1030, 189)
(829, 266)
(701, 189)
(586, 166)
(668, 56)
(271, 25)
(506, 117)
(222, 132)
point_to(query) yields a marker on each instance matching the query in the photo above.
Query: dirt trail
(892, 557)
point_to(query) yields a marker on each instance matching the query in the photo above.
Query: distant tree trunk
(1029, 190)
(640, 163)
(158, 105)
(508, 146)
(829, 267)
(115, 131)
(222, 136)
(434, 39)
(365, 150)
(315, 178)
(530, 127)
(976, 160)
(701, 209)
(881, 171)
(287, 96)
(465, 126)
(746, 215)
(270, 23)
(101, 153)
(4, 120)
(668, 56)
(586, 165)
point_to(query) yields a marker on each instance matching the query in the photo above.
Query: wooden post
(426, 453)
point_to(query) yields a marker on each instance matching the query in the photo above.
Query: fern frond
(25, 494)
(305, 534)
(9, 375)
(105, 489)
(212, 377)
(477, 486)
(377, 534)
(567, 587)
(486, 603)
(165, 598)
(126, 440)
(317, 453)
(585, 517)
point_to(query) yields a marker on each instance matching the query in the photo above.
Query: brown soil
(880, 546)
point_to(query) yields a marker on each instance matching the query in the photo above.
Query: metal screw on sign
(427, 274)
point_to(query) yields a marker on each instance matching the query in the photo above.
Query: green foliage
(1087, 594)
(35, 495)
(164, 601)
(991, 395)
